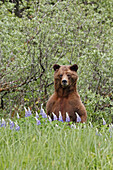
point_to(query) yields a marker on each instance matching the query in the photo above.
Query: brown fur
(66, 98)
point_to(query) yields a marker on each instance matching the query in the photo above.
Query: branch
(27, 81)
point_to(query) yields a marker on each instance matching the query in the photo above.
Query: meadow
(38, 143)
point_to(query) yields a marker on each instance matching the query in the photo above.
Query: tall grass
(50, 146)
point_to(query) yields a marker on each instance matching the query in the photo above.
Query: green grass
(52, 147)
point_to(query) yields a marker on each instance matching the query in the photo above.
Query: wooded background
(34, 35)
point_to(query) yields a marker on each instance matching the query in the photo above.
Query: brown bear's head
(65, 76)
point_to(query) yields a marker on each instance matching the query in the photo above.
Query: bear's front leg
(50, 104)
(83, 118)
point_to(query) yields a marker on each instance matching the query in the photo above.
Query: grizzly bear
(66, 98)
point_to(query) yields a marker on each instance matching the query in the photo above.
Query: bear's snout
(64, 82)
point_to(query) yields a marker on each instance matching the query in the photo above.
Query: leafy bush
(36, 35)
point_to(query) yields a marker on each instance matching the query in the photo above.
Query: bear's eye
(61, 75)
(68, 75)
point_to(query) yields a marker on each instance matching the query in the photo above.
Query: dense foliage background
(36, 34)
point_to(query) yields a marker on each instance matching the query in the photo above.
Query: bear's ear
(74, 67)
(56, 67)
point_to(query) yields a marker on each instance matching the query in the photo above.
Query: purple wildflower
(18, 116)
(44, 115)
(42, 112)
(37, 115)
(11, 124)
(27, 112)
(73, 126)
(91, 124)
(97, 132)
(49, 118)
(38, 121)
(17, 128)
(3, 124)
(78, 118)
(67, 117)
(111, 125)
(54, 116)
(104, 122)
(60, 117)
(111, 128)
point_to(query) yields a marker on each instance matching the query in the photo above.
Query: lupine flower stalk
(104, 122)
(54, 116)
(98, 134)
(37, 115)
(111, 128)
(17, 127)
(97, 131)
(49, 118)
(27, 112)
(42, 112)
(18, 117)
(38, 121)
(73, 126)
(78, 117)
(60, 117)
(11, 124)
(91, 125)
(3, 124)
(67, 117)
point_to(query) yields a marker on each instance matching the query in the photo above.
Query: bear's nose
(64, 82)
